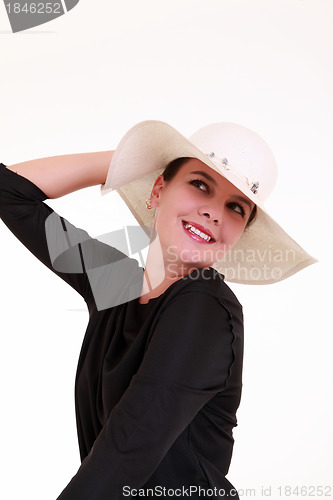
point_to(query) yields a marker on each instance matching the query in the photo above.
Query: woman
(159, 375)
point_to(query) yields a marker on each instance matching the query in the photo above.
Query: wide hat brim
(264, 254)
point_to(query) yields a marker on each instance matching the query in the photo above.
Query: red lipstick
(200, 228)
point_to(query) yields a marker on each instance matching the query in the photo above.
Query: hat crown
(240, 151)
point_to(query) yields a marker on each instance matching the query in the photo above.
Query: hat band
(223, 162)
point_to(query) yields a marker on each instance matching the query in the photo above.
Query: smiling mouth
(196, 233)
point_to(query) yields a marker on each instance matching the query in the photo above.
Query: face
(199, 217)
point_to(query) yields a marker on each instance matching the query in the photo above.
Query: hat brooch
(223, 162)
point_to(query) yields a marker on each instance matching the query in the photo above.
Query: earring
(148, 204)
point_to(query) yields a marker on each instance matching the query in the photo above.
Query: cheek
(166, 218)
(234, 229)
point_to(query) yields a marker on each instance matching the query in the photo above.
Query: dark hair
(173, 167)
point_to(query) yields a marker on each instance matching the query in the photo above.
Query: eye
(200, 185)
(236, 207)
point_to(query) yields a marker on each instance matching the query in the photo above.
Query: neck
(159, 272)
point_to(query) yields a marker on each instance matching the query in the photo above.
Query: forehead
(194, 162)
(197, 166)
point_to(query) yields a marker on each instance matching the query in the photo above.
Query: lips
(198, 232)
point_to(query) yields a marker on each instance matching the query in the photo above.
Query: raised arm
(60, 175)
(23, 189)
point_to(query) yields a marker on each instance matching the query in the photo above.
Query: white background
(77, 84)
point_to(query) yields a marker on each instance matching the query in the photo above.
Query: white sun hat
(265, 253)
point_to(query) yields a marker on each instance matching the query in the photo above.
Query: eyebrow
(244, 200)
(210, 178)
(204, 174)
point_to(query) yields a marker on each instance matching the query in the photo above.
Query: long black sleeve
(100, 273)
(24, 213)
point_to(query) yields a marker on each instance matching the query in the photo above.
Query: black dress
(158, 384)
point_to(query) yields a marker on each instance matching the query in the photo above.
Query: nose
(213, 213)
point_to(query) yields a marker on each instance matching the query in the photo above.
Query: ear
(156, 190)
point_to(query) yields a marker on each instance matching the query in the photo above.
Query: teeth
(196, 231)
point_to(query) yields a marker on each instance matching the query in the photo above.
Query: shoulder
(199, 316)
(203, 298)
(209, 285)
